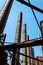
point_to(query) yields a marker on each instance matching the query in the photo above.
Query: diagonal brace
(30, 5)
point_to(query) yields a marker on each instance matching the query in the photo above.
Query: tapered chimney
(4, 14)
(18, 35)
(18, 30)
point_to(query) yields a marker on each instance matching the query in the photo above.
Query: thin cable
(35, 17)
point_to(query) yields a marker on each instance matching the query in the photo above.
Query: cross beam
(22, 45)
(30, 43)
(30, 5)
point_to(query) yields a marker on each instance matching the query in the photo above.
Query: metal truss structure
(13, 47)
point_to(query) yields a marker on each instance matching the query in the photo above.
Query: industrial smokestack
(4, 14)
(18, 30)
(24, 50)
(18, 35)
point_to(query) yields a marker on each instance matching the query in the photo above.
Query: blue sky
(28, 18)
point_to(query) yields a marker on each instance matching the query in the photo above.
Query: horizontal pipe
(30, 43)
(21, 45)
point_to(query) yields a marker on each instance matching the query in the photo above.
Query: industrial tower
(18, 35)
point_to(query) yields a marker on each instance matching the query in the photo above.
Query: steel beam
(30, 5)
(30, 43)
(21, 45)
(29, 56)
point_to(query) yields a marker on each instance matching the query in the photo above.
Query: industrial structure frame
(30, 5)
(16, 46)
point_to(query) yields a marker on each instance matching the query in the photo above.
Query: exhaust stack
(18, 36)
(18, 30)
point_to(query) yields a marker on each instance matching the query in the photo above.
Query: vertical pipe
(18, 35)
(4, 14)
(24, 50)
(41, 25)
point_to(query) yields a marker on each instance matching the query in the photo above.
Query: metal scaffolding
(15, 47)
